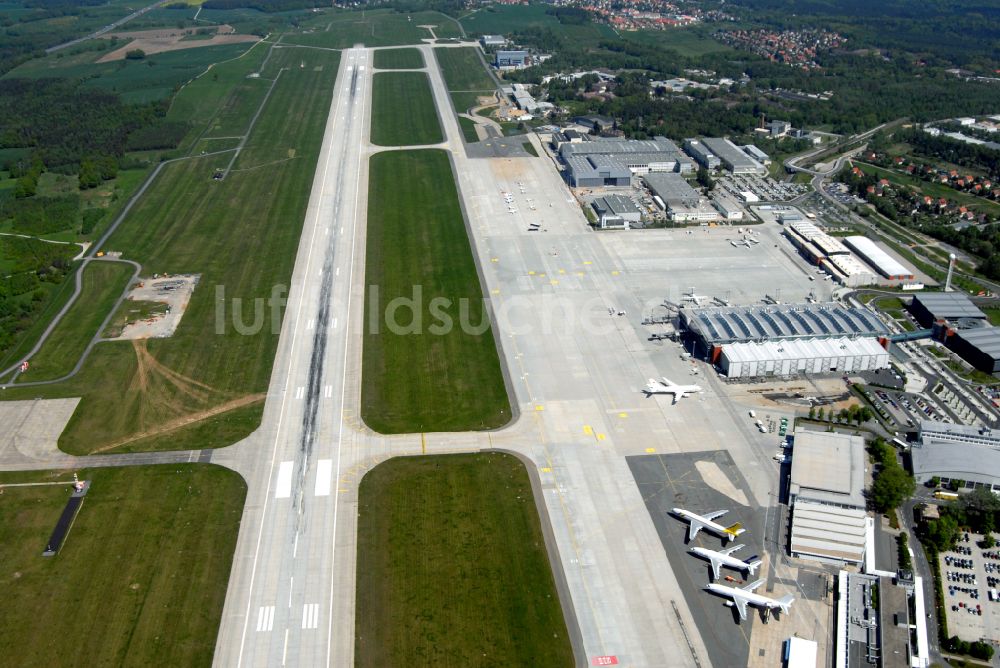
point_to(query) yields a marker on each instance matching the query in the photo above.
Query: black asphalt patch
(669, 481)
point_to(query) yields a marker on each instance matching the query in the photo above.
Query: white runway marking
(300, 392)
(328, 391)
(312, 323)
(337, 272)
(265, 618)
(324, 469)
(283, 488)
(335, 323)
(310, 615)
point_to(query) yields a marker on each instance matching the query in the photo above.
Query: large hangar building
(787, 339)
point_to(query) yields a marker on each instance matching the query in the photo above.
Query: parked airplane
(665, 386)
(692, 297)
(698, 522)
(741, 596)
(722, 558)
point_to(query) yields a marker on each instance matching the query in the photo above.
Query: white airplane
(698, 522)
(692, 297)
(722, 558)
(741, 596)
(665, 386)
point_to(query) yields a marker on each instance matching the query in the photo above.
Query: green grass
(505, 19)
(452, 567)
(468, 129)
(132, 311)
(403, 112)
(375, 28)
(466, 100)
(462, 69)
(103, 283)
(993, 315)
(425, 381)
(399, 59)
(18, 254)
(141, 578)
(240, 234)
(530, 148)
(689, 42)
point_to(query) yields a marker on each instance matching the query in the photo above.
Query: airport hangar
(612, 162)
(787, 339)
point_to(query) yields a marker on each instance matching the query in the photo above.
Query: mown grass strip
(403, 112)
(398, 59)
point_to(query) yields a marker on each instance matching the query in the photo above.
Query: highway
(278, 608)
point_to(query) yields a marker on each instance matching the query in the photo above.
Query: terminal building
(882, 262)
(787, 339)
(681, 202)
(613, 162)
(957, 452)
(826, 494)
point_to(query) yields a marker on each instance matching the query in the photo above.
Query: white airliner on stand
(742, 596)
(665, 386)
(698, 522)
(723, 558)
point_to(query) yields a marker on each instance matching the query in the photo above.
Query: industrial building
(757, 154)
(733, 159)
(953, 307)
(682, 202)
(727, 208)
(882, 262)
(827, 252)
(612, 162)
(957, 452)
(979, 346)
(826, 494)
(874, 623)
(616, 211)
(526, 101)
(509, 60)
(701, 154)
(492, 40)
(787, 339)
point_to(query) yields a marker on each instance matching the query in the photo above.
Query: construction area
(153, 308)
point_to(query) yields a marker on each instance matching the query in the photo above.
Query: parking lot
(840, 192)
(764, 187)
(970, 577)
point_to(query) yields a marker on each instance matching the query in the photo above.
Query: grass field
(103, 283)
(201, 388)
(398, 59)
(430, 380)
(452, 568)
(468, 129)
(141, 578)
(403, 112)
(689, 42)
(469, 99)
(375, 28)
(462, 69)
(505, 19)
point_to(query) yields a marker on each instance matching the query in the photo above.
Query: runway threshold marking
(265, 618)
(283, 486)
(310, 615)
(324, 475)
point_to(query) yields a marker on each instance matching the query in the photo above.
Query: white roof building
(802, 356)
(881, 261)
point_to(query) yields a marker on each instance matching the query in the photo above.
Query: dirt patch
(153, 309)
(158, 41)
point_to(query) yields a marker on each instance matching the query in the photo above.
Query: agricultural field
(452, 567)
(375, 28)
(103, 284)
(688, 42)
(436, 377)
(399, 59)
(403, 111)
(505, 19)
(183, 391)
(141, 578)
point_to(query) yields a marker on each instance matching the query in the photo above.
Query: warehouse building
(953, 307)
(827, 252)
(682, 202)
(757, 154)
(882, 262)
(979, 346)
(957, 452)
(733, 159)
(615, 211)
(701, 154)
(492, 40)
(826, 494)
(613, 161)
(848, 270)
(793, 358)
(727, 208)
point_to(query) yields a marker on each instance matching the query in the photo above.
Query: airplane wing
(753, 585)
(666, 381)
(715, 567)
(693, 529)
(677, 397)
(717, 513)
(730, 550)
(741, 606)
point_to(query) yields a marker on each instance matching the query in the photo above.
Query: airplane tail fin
(785, 602)
(734, 530)
(753, 565)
